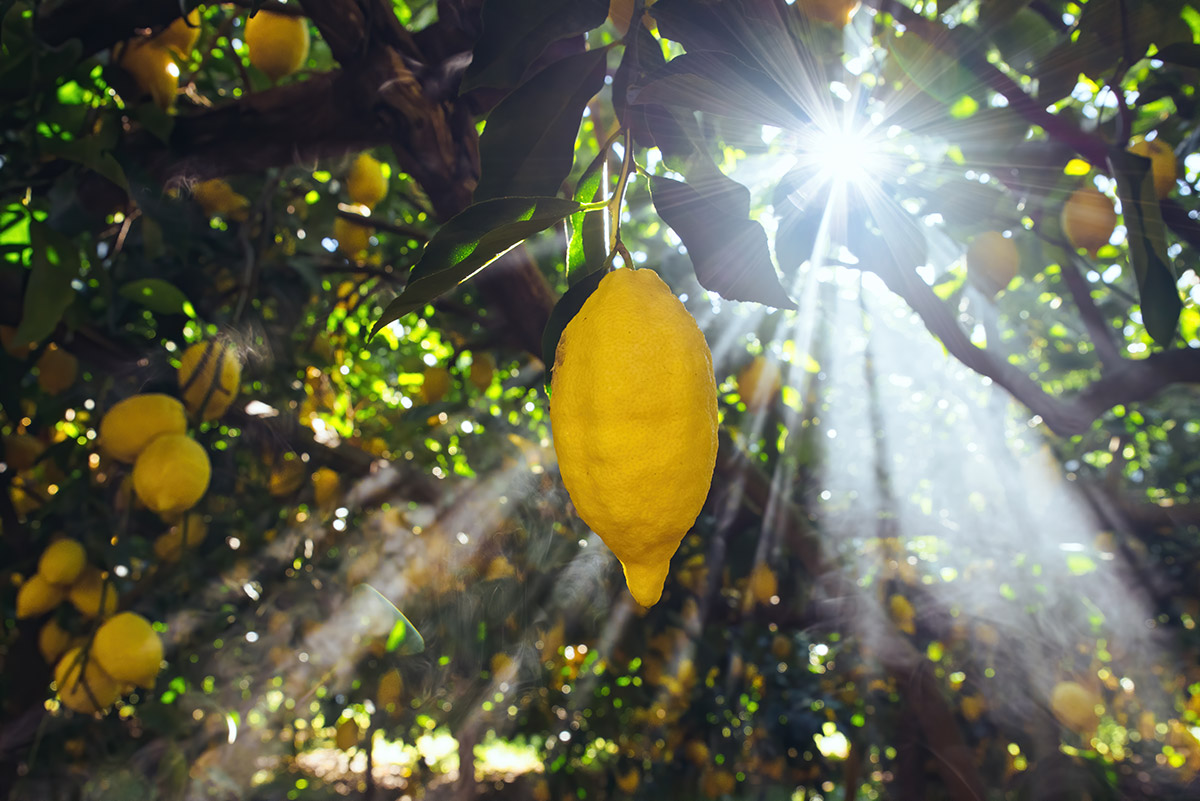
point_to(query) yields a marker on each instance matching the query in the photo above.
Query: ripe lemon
(715, 783)
(634, 415)
(326, 487)
(287, 476)
(628, 782)
(697, 753)
(53, 641)
(835, 12)
(278, 43)
(131, 424)
(129, 649)
(199, 367)
(84, 687)
(483, 367)
(992, 261)
(351, 237)
(391, 688)
(21, 451)
(1088, 219)
(92, 595)
(62, 562)
(181, 35)
(348, 734)
(1075, 706)
(57, 370)
(1163, 165)
(152, 69)
(7, 336)
(184, 535)
(435, 385)
(973, 707)
(759, 382)
(38, 596)
(903, 613)
(218, 199)
(366, 184)
(171, 475)
(763, 585)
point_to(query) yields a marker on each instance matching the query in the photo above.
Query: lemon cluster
(63, 574)
(126, 652)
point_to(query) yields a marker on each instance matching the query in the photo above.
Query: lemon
(8, 335)
(391, 688)
(634, 415)
(759, 382)
(992, 261)
(351, 237)
(152, 69)
(287, 476)
(218, 199)
(326, 487)
(203, 393)
(435, 385)
(903, 613)
(57, 370)
(483, 367)
(278, 43)
(348, 734)
(129, 649)
(181, 35)
(84, 686)
(697, 753)
(171, 475)
(38, 596)
(62, 562)
(835, 12)
(21, 451)
(184, 535)
(973, 707)
(715, 783)
(53, 641)
(1088, 219)
(628, 782)
(763, 585)
(1163, 165)
(92, 595)
(1075, 706)
(366, 183)
(129, 426)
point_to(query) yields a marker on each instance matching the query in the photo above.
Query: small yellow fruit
(62, 562)
(57, 370)
(973, 707)
(903, 614)
(152, 69)
(366, 183)
(835, 12)
(348, 734)
(391, 688)
(129, 649)
(483, 367)
(1075, 706)
(203, 393)
(759, 383)
(7, 336)
(53, 641)
(351, 237)
(716, 783)
(84, 688)
(171, 475)
(763, 585)
(628, 782)
(286, 477)
(435, 384)
(1088, 219)
(38, 596)
(184, 535)
(21, 451)
(634, 415)
(218, 199)
(1163, 164)
(992, 261)
(92, 595)
(278, 43)
(697, 753)
(326, 487)
(130, 425)
(181, 35)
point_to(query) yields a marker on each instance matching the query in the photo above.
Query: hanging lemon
(171, 475)
(278, 43)
(129, 649)
(199, 368)
(83, 685)
(129, 426)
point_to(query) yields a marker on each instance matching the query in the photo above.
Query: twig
(384, 225)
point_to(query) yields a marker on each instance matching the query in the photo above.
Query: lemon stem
(618, 198)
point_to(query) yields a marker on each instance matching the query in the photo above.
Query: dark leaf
(515, 32)
(470, 241)
(799, 220)
(1185, 54)
(728, 251)
(55, 264)
(566, 309)
(528, 145)
(156, 295)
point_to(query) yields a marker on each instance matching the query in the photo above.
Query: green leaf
(581, 247)
(470, 241)
(1147, 238)
(92, 153)
(55, 264)
(528, 145)
(564, 311)
(156, 295)
(728, 251)
(516, 32)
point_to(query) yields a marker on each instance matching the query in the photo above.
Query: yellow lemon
(483, 367)
(326, 487)
(181, 35)
(129, 649)
(1088, 219)
(218, 199)
(634, 415)
(53, 641)
(435, 385)
(351, 237)
(763, 585)
(278, 43)
(1075, 706)
(348, 734)
(903, 613)
(7, 336)
(62, 562)
(366, 183)
(628, 782)
(759, 382)
(716, 783)
(152, 69)
(21, 451)
(835, 12)
(92, 595)
(973, 707)
(171, 475)
(287, 476)
(38, 596)
(129, 426)
(992, 261)
(57, 370)
(391, 688)
(204, 393)
(1163, 164)
(697, 753)
(84, 686)
(184, 535)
